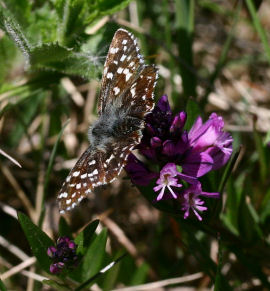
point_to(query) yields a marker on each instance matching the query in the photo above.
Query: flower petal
(197, 164)
(138, 172)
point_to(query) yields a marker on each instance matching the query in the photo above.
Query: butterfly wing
(129, 83)
(93, 169)
(123, 64)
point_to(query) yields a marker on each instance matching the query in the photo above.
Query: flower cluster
(182, 156)
(63, 255)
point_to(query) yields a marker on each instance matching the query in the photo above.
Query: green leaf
(265, 207)
(48, 53)
(20, 9)
(2, 286)
(83, 239)
(261, 150)
(9, 24)
(38, 240)
(140, 274)
(63, 60)
(235, 196)
(8, 57)
(64, 229)
(55, 285)
(107, 7)
(93, 258)
(71, 15)
(261, 32)
(25, 110)
(185, 28)
(101, 272)
(100, 8)
(48, 172)
(193, 111)
(221, 283)
(110, 279)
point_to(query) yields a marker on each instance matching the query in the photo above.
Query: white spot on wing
(126, 71)
(123, 58)
(95, 172)
(114, 50)
(110, 75)
(63, 195)
(120, 70)
(109, 159)
(116, 90)
(133, 92)
(76, 174)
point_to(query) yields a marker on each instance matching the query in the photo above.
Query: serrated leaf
(48, 53)
(61, 59)
(9, 24)
(38, 240)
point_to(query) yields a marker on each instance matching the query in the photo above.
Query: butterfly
(126, 96)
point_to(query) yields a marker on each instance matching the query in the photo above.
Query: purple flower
(190, 200)
(63, 255)
(178, 122)
(204, 148)
(168, 146)
(210, 147)
(57, 268)
(138, 172)
(167, 180)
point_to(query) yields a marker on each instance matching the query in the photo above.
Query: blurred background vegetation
(212, 56)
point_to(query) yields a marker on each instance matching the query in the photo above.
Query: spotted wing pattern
(130, 83)
(123, 66)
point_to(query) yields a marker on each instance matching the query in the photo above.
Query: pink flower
(167, 180)
(192, 201)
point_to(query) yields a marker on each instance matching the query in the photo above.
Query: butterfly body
(113, 125)
(126, 96)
